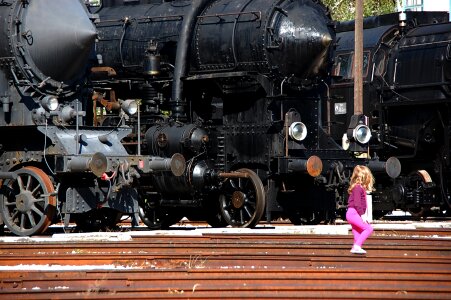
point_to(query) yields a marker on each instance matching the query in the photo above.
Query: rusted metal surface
(233, 175)
(314, 166)
(232, 284)
(228, 266)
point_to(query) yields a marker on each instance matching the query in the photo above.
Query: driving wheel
(417, 179)
(242, 202)
(155, 217)
(28, 202)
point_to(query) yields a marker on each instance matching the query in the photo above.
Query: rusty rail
(228, 266)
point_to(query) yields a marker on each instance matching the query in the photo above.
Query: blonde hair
(363, 176)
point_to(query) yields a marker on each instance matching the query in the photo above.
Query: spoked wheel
(214, 216)
(242, 202)
(27, 203)
(155, 217)
(417, 179)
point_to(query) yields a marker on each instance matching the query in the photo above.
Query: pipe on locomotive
(98, 164)
(313, 165)
(392, 166)
(181, 60)
(176, 164)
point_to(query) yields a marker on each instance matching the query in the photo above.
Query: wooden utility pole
(358, 58)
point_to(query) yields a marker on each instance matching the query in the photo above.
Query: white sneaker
(357, 250)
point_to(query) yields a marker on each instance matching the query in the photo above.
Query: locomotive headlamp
(297, 131)
(49, 103)
(358, 135)
(362, 134)
(129, 106)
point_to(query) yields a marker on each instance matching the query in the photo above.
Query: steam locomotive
(221, 110)
(210, 76)
(237, 88)
(407, 81)
(54, 164)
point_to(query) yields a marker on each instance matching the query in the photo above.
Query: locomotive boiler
(407, 64)
(54, 164)
(237, 88)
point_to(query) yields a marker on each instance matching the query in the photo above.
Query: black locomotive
(407, 97)
(237, 88)
(53, 164)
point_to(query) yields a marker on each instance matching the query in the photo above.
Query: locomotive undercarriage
(87, 186)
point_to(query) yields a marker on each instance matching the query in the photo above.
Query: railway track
(253, 264)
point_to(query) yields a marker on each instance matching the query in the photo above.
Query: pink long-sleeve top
(357, 199)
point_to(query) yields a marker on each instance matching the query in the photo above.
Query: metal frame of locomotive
(235, 87)
(407, 84)
(52, 164)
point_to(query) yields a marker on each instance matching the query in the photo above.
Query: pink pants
(360, 229)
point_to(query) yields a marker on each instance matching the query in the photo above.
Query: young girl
(361, 181)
